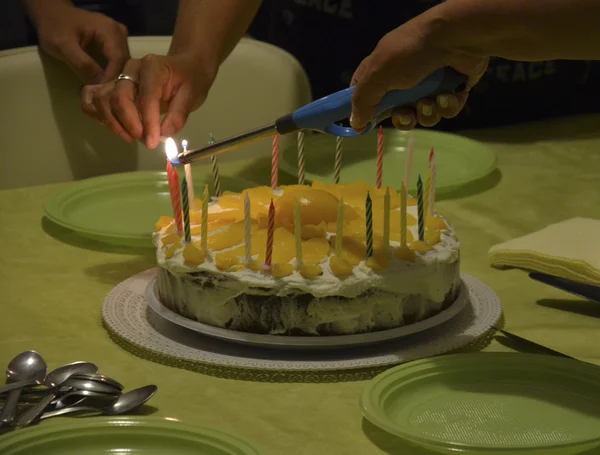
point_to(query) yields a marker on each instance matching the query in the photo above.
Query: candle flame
(171, 150)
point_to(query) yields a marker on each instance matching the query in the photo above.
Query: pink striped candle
(379, 176)
(275, 162)
(432, 170)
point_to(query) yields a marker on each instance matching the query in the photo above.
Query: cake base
(258, 311)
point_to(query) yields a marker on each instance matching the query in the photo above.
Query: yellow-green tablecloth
(51, 290)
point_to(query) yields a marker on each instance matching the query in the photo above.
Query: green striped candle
(185, 203)
(420, 209)
(369, 219)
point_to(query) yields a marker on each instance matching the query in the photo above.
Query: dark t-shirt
(331, 37)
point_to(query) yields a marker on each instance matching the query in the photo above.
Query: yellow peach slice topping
(280, 270)
(340, 267)
(192, 255)
(420, 246)
(316, 206)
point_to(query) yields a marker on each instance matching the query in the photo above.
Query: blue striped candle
(420, 209)
(369, 226)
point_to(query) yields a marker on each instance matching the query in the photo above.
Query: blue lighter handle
(322, 114)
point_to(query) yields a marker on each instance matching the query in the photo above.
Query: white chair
(44, 137)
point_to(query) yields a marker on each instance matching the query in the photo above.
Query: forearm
(38, 8)
(520, 29)
(210, 29)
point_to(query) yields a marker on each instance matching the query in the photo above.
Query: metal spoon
(55, 379)
(98, 378)
(16, 385)
(28, 365)
(82, 394)
(84, 384)
(125, 403)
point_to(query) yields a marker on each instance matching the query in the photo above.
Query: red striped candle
(172, 186)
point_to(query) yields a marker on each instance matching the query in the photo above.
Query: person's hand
(175, 85)
(68, 34)
(402, 59)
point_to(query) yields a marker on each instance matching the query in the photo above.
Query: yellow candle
(204, 238)
(403, 214)
(339, 232)
(386, 220)
(427, 192)
(298, 233)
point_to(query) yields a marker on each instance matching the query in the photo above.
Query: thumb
(177, 113)
(81, 63)
(370, 88)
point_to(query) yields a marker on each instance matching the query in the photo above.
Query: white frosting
(429, 276)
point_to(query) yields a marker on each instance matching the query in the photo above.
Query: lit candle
(409, 157)
(433, 169)
(379, 158)
(300, 157)
(403, 197)
(275, 162)
(186, 209)
(298, 233)
(427, 192)
(337, 170)
(339, 231)
(420, 209)
(270, 232)
(369, 225)
(173, 179)
(188, 177)
(247, 227)
(170, 180)
(215, 169)
(204, 239)
(386, 220)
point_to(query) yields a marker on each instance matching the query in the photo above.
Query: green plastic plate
(122, 436)
(489, 403)
(119, 209)
(459, 160)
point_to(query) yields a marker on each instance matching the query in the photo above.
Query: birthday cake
(274, 262)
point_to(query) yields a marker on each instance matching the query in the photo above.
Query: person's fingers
(404, 119)
(177, 113)
(122, 102)
(427, 112)
(114, 47)
(81, 63)
(368, 92)
(149, 97)
(448, 105)
(86, 98)
(102, 104)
